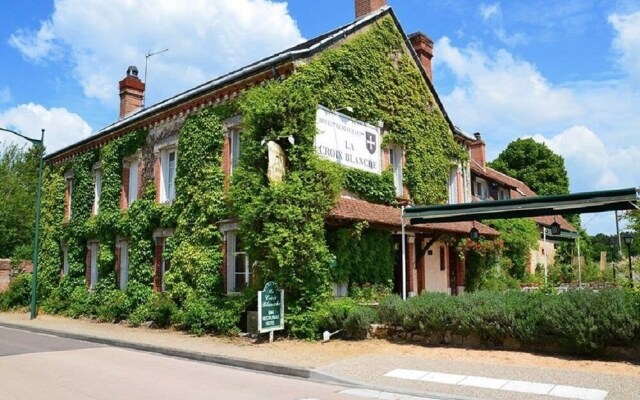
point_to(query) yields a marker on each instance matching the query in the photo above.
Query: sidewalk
(408, 367)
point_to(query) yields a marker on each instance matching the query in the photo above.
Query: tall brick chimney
(423, 46)
(131, 92)
(478, 152)
(364, 7)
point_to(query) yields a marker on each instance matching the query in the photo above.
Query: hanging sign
(347, 141)
(277, 162)
(270, 308)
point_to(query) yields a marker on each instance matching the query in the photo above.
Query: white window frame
(97, 187)
(65, 258)
(232, 254)
(395, 161)
(168, 177)
(340, 289)
(68, 180)
(132, 191)
(124, 264)
(483, 193)
(503, 194)
(453, 185)
(235, 144)
(93, 263)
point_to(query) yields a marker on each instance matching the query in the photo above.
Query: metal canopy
(576, 203)
(564, 236)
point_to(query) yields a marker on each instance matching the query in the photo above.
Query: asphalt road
(36, 366)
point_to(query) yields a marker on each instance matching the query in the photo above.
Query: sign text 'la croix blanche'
(347, 141)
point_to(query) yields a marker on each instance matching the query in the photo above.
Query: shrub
(391, 310)
(159, 309)
(18, 294)
(199, 316)
(113, 306)
(81, 303)
(358, 321)
(331, 315)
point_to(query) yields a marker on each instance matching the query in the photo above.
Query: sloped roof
(300, 51)
(349, 209)
(519, 190)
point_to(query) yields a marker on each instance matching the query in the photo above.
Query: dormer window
(481, 189)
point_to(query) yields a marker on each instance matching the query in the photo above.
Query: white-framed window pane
(171, 175)
(133, 182)
(395, 159)
(453, 186)
(65, 259)
(97, 190)
(124, 264)
(234, 138)
(238, 268)
(94, 265)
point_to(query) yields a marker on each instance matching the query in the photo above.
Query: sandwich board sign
(270, 309)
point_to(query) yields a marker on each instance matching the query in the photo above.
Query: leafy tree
(534, 164)
(18, 176)
(519, 237)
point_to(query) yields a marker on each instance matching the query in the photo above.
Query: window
(94, 247)
(503, 194)
(395, 159)
(168, 159)
(481, 189)
(65, 258)
(442, 259)
(340, 289)
(97, 189)
(234, 138)
(132, 189)
(453, 186)
(238, 269)
(124, 264)
(161, 264)
(68, 180)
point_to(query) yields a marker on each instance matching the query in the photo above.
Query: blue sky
(566, 73)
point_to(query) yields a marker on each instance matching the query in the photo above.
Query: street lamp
(628, 239)
(613, 255)
(34, 272)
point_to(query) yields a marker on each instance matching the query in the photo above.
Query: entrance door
(420, 270)
(397, 269)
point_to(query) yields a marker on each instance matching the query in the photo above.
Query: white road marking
(569, 392)
(376, 394)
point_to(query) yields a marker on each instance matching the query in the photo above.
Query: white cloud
(62, 127)
(5, 95)
(499, 91)
(205, 39)
(627, 41)
(592, 124)
(490, 11)
(492, 15)
(593, 164)
(35, 46)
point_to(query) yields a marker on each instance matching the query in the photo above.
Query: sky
(565, 73)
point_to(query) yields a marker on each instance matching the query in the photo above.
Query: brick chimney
(478, 153)
(364, 7)
(423, 46)
(131, 92)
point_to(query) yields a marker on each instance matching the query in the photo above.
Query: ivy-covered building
(229, 184)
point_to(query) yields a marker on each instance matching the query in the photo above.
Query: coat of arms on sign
(371, 142)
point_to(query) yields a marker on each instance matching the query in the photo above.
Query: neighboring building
(489, 184)
(7, 272)
(432, 263)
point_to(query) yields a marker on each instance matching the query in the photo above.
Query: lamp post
(628, 239)
(613, 256)
(34, 273)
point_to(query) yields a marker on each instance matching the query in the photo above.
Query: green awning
(576, 203)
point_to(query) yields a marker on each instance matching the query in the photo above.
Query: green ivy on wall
(362, 255)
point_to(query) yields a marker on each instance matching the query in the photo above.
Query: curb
(171, 352)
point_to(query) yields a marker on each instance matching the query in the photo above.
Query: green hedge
(581, 322)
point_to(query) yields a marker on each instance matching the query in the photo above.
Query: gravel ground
(369, 360)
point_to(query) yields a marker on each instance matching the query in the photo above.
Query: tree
(18, 177)
(534, 164)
